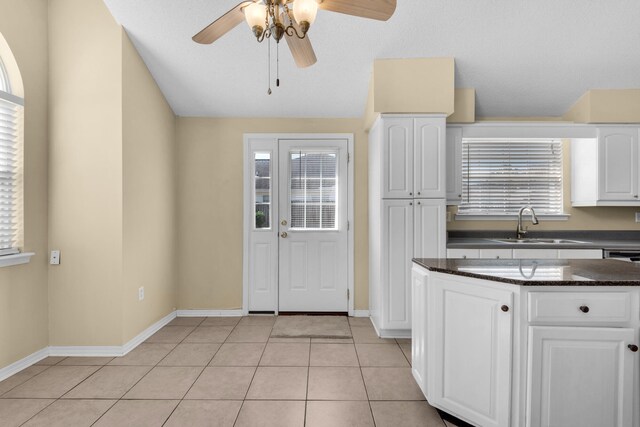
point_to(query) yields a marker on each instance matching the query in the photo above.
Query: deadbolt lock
(283, 222)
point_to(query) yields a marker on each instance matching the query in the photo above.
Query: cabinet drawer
(580, 308)
(496, 253)
(463, 253)
(580, 253)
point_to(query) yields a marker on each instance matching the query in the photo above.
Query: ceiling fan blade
(301, 49)
(222, 25)
(380, 10)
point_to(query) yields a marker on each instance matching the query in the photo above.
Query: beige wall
(606, 106)
(210, 203)
(111, 185)
(85, 179)
(23, 289)
(149, 227)
(596, 218)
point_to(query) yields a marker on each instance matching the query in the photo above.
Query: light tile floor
(226, 372)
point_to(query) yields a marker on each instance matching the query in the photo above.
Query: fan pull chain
(269, 66)
(278, 64)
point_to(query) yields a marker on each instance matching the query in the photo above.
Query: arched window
(11, 157)
(4, 79)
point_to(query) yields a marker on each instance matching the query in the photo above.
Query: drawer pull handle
(633, 348)
(584, 309)
(504, 308)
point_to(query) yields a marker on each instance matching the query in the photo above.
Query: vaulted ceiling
(523, 57)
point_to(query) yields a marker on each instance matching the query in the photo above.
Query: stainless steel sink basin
(538, 241)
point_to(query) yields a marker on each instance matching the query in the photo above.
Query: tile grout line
(366, 390)
(192, 384)
(254, 375)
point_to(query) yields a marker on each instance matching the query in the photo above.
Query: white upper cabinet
(618, 163)
(604, 171)
(413, 157)
(429, 158)
(454, 165)
(397, 158)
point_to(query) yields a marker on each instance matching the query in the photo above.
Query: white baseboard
(142, 336)
(23, 363)
(361, 313)
(209, 313)
(115, 350)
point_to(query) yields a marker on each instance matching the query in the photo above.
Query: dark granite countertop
(613, 240)
(542, 272)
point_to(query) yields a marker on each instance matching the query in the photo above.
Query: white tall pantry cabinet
(407, 211)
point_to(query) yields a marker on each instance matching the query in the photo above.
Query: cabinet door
(470, 350)
(618, 158)
(454, 165)
(397, 252)
(419, 326)
(430, 165)
(397, 158)
(580, 377)
(430, 228)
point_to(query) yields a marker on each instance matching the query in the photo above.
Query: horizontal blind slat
(500, 176)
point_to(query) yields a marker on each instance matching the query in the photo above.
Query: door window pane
(313, 190)
(262, 189)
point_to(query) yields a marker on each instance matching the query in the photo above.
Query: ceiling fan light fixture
(256, 15)
(305, 11)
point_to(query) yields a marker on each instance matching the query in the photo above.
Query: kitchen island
(503, 342)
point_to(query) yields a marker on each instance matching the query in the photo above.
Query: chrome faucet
(521, 232)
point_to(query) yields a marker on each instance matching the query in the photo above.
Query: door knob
(284, 234)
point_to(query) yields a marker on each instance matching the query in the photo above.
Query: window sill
(562, 217)
(15, 259)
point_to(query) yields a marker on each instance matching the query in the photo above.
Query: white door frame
(248, 213)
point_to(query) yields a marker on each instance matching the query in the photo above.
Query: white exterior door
(580, 377)
(313, 237)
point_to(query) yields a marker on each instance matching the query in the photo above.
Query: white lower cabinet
(470, 341)
(580, 377)
(495, 354)
(419, 328)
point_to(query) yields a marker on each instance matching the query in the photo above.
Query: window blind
(10, 173)
(499, 176)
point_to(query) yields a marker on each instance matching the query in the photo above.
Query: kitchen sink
(538, 241)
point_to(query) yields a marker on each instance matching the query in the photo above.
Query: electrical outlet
(140, 293)
(637, 216)
(54, 259)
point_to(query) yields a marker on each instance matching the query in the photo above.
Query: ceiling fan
(276, 19)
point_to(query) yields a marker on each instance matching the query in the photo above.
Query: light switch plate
(637, 216)
(55, 257)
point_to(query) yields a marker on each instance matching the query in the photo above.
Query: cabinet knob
(464, 257)
(504, 308)
(418, 202)
(419, 194)
(411, 194)
(584, 309)
(636, 196)
(633, 348)
(410, 203)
